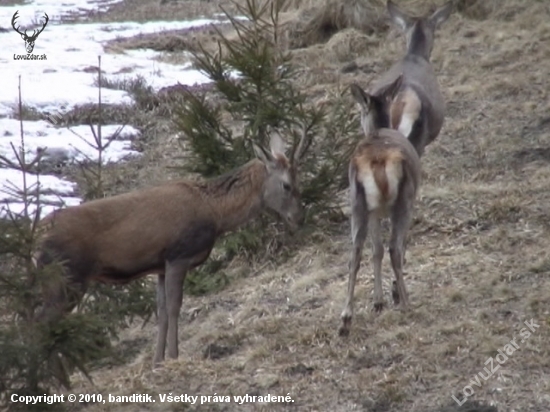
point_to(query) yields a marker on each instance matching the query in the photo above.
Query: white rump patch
(411, 112)
(394, 174)
(406, 125)
(372, 192)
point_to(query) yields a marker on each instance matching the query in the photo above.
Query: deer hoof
(344, 329)
(379, 307)
(395, 294)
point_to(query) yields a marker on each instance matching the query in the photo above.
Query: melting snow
(74, 145)
(63, 81)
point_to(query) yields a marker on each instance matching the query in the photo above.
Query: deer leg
(189, 251)
(394, 291)
(359, 234)
(405, 252)
(401, 218)
(175, 275)
(377, 256)
(162, 321)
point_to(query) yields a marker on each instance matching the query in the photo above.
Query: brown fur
(103, 227)
(379, 171)
(283, 161)
(396, 113)
(407, 103)
(373, 155)
(165, 230)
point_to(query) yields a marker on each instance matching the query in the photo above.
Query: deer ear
(397, 16)
(441, 14)
(361, 97)
(389, 92)
(262, 154)
(276, 144)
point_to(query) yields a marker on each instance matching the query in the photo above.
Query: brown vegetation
(478, 260)
(316, 22)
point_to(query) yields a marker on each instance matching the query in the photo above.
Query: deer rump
(377, 171)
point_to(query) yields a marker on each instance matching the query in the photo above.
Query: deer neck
(236, 196)
(376, 119)
(419, 44)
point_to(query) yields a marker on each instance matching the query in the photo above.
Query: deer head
(374, 108)
(281, 193)
(420, 31)
(29, 40)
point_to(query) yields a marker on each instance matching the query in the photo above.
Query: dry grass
(477, 265)
(317, 22)
(153, 10)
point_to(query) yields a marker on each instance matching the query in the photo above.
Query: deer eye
(286, 187)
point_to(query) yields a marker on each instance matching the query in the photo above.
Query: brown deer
(384, 175)
(418, 110)
(165, 230)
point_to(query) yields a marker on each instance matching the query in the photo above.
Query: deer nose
(296, 219)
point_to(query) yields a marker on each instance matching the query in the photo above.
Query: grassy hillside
(478, 261)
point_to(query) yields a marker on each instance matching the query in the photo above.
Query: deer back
(128, 233)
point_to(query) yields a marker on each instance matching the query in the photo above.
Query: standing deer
(165, 230)
(384, 175)
(418, 109)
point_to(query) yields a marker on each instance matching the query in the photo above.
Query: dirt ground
(478, 262)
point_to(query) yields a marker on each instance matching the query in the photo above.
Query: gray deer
(418, 109)
(384, 176)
